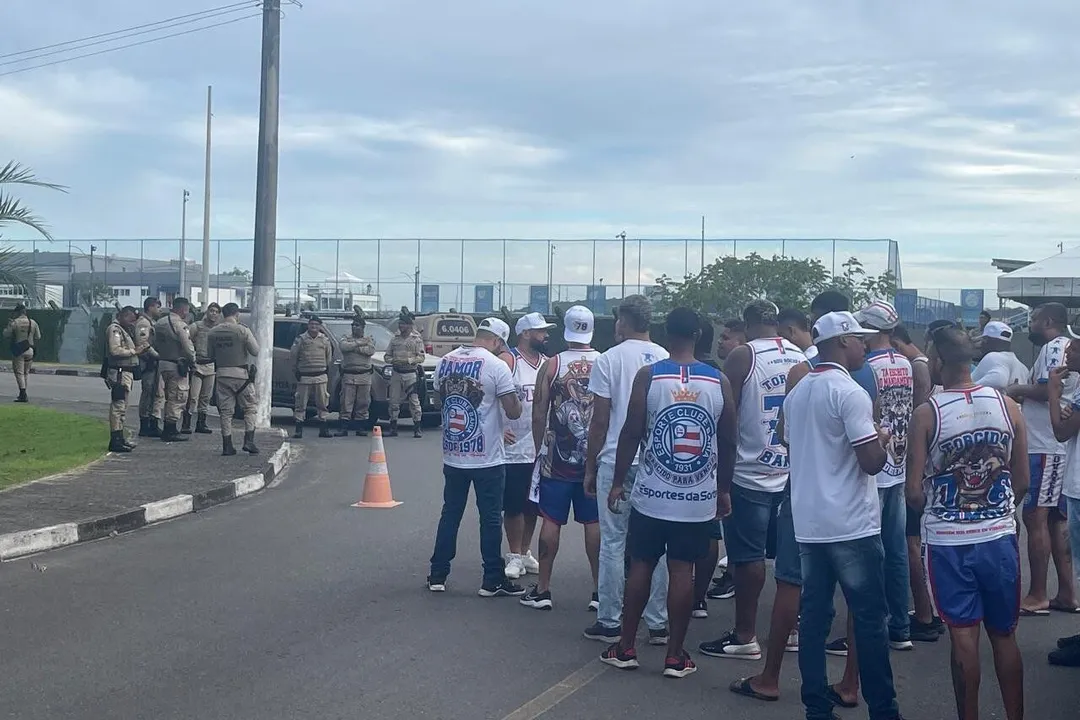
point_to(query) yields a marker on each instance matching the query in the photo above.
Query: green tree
(238, 273)
(16, 268)
(863, 288)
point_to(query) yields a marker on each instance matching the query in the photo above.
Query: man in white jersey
(999, 367)
(967, 468)
(562, 411)
(1044, 506)
(1067, 429)
(837, 451)
(682, 416)
(519, 515)
(611, 382)
(473, 385)
(758, 374)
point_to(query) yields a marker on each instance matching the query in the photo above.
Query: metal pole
(297, 284)
(834, 258)
(623, 236)
(266, 209)
(337, 271)
(702, 243)
(183, 242)
(503, 281)
(206, 211)
(594, 262)
(461, 282)
(551, 255)
(639, 265)
(378, 274)
(416, 280)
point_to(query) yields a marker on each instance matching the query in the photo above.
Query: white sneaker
(532, 566)
(792, 644)
(515, 568)
(722, 563)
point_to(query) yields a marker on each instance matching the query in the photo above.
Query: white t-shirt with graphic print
(470, 381)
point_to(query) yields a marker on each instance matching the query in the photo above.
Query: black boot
(393, 429)
(185, 422)
(249, 443)
(171, 433)
(116, 442)
(359, 426)
(416, 431)
(324, 430)
(144, 427)
(22, 397)
(299, 431)
(227, 446)
(200, 425)
(342, 428)
(155, 428)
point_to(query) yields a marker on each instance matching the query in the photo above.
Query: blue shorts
(977, 583)
(1047, 477)
(746, 531)
(556, 498)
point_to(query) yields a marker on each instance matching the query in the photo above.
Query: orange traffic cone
(377, 481)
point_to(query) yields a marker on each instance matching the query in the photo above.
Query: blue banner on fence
(971, 304)
(539, 299)
(429, 298)
(484, 298)
(906, 303)
(596, 298)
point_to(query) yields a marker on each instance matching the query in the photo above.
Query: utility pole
(702, 243)
(183, 242)
(622, 236)
(206, 212)
(416, 289)
(262, 276)
(298, 285)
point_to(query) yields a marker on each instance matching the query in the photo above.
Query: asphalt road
(291, 603)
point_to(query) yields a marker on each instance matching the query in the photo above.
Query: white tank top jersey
(762, 460)
(968, 484)
(523, 450)
(676, 479)
(896, 398)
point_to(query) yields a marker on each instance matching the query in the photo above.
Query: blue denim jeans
(1073, 514)
(612, 577)
(488, 483)
(897, 579)
(857, 565)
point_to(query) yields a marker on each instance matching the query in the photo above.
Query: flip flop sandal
(742, 687)
(1024, 612)
(1057, 607)
(835, 699)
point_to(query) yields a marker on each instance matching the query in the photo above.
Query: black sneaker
(658, 637)
(618, 658)
(506, 588)
(679, 667)
(594, 603)
(537, 600)
(723, 588)
(596, 631)
(837, 648)
(926, 632)
(436, 584)
(701, 610)
(1068, 656)
(729, 646)
(1067, 642)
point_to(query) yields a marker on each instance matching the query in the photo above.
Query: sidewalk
(122, 492)
(58, 369)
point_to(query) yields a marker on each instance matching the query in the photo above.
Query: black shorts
(914, 523)
(516, 493)
(649, 539)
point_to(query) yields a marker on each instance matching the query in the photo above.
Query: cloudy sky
(949, 127)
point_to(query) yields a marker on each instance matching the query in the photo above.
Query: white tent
(1055, 279)
(343, 278)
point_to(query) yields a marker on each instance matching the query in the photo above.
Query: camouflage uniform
(356, 379)
(22, 331)
(174, 348)
(311, 358)
(405, 355)
(123, 358)
(230, 345)
(202, 379)
(152, 398)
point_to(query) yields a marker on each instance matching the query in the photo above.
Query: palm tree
(17, 268)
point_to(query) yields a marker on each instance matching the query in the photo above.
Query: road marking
(558, 692)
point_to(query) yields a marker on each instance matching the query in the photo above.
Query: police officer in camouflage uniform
(176, 357)
(122, 358)
(311, 354)
(356, 352)
(152, 398)
(202, 376)
(230, 346)
(22, 333)
(406, 358)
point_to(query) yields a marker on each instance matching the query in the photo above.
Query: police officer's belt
(362, 371)
(404, 369)
(203, 361)
(312, 374)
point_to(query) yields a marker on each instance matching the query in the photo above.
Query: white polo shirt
(826, 416)
(999, 370)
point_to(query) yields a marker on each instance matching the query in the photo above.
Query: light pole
(551, 272)
(93, 249)
(622, 236)
(296, 267)
(183, 242)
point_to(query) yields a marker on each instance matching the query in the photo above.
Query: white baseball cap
(496, 327)
(879, 315)
(532, 321)
(838, 324)
(578, 325)
(997, 330)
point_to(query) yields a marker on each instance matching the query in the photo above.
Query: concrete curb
(27, 542)
(69, 372)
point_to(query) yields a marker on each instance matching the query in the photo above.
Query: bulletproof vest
(21, 330)
(351, 359)
(403, 351)
(166, 340)
(311, 356)
(125, 342)
(227, 339)
(199, 333)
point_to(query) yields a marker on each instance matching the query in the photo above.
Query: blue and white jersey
(677, 476)
(762, 460)
(968, 483)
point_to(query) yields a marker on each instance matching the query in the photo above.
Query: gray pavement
(292, 604)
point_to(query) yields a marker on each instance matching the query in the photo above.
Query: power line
(108, 40)
(131, 45)
(127, 30)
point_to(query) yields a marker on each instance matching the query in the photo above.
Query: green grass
(35, 442)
